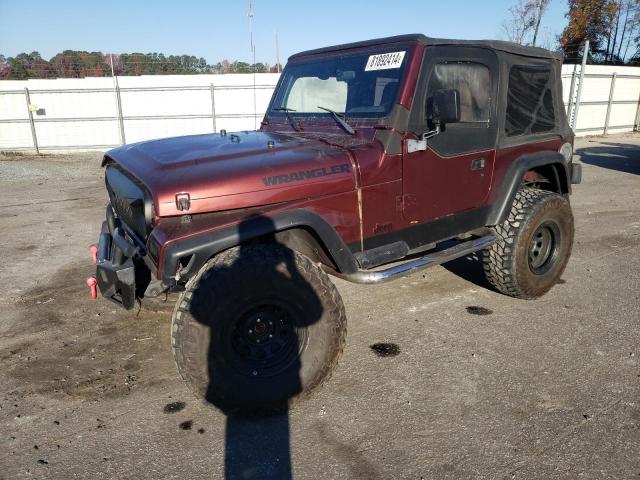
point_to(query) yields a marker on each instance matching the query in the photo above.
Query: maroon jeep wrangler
(374, 160)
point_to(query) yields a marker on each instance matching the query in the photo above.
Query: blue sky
(217, 29)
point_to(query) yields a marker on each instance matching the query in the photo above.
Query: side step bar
(415, 265)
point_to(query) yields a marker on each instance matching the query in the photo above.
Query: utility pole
(581, 82)
(277, 52)
(116, 91)
(253, 48)
(253, 64)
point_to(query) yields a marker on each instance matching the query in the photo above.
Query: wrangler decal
(303, 175)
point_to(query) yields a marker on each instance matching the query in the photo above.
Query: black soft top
(499, 45)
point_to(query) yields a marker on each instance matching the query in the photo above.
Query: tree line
(611, 26)
(79, 64)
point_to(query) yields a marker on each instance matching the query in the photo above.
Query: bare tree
(623, 24)
(518, 25)
(634, 34)
(547, 40)
(615, 34)
(537, 12)
(524, 21)
(630, 27)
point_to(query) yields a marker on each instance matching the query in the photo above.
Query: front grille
(129, 201)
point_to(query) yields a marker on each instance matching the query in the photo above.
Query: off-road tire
(509, 264)
(209, 328)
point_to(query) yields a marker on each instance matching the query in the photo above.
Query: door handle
(477, 164)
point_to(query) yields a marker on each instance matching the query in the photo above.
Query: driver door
(453, 174)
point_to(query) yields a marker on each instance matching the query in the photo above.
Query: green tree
(79, 64)
(240, 67)
(27, 65)
(610, 26)
(4, 67)
(259, 68)
(593, 20)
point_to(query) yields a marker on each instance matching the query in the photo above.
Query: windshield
(362, 85)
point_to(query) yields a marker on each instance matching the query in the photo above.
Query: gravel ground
(512, 389)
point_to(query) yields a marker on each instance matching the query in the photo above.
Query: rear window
(529, 101)
(473, 82)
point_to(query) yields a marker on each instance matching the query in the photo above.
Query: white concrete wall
(591, 118)
(181, 95)
(72, 119)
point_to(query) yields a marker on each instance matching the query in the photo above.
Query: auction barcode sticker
(384, 61)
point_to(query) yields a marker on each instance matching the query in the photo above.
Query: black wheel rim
(265, 340)
(544, 247)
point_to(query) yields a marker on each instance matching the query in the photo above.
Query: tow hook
(93, 250)
(92, 283)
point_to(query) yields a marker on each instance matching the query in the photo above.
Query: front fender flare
(201, 248)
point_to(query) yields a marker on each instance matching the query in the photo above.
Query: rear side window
(529, 101)
(473, 82)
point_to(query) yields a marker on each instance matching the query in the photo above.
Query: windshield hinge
(420, 145)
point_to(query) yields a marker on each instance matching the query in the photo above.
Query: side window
(529, 101)
(473, 82)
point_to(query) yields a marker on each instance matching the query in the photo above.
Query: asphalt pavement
(475, 384)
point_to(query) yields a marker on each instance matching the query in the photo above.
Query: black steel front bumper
(116, 268)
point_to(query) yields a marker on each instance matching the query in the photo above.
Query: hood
(222, 172)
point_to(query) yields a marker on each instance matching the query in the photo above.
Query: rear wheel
(533, 245)
(258, 327)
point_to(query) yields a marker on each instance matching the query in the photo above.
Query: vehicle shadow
(470, 268)
(613, 156)
(254, 350)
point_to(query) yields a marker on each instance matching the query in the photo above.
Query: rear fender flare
(514, 176)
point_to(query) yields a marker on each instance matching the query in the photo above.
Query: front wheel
(258, 327)
(533, 245)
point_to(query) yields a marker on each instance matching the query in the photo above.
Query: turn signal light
(93, 250)
(92, 284)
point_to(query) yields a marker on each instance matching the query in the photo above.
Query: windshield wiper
(339, 120)
(292, 121)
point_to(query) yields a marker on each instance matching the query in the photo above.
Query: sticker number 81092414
(384, 61)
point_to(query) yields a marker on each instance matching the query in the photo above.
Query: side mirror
(444, 107)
